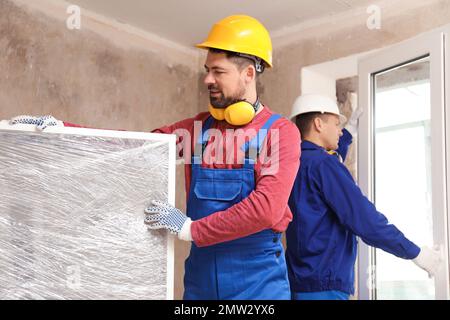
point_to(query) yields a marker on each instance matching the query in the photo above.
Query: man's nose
(209, 79)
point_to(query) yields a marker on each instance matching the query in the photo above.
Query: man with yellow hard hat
(236, 210)
(237, 192)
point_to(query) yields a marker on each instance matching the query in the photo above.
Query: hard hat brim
(342, 118)
(207, 45)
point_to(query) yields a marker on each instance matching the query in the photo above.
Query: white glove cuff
(185, 233)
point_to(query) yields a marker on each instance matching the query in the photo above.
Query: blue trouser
(320, 295)
(255, 271)
(251, 267)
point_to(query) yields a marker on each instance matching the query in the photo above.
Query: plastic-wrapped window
(72, 210)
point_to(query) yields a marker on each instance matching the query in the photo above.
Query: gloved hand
(41, 122)
(429, 259)
(162, 215)
(352, 123)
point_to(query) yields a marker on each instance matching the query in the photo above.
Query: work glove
(429, 259)
(41, 122)
(352, 123)
(162, 215)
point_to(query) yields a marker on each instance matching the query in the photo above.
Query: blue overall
(252, 267)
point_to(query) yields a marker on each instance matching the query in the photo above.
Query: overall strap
(201, 142)
(252, 148)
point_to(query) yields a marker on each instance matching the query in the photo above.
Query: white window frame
(154, 137)
(436, 45)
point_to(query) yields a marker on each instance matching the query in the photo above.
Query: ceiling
(187, 22)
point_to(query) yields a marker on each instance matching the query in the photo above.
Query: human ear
(249, 73)
(318, 124)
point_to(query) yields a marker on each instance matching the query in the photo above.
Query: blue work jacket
(329, 211)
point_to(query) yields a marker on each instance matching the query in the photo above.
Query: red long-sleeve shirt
(266, 207)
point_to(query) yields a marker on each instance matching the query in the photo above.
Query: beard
(222, 102)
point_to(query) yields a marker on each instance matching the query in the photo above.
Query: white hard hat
(315, 103)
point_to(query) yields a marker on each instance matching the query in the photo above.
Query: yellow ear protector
(236, 114)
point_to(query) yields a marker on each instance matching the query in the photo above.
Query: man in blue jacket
(329, 211)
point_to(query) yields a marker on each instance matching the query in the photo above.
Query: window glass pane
(403, 173)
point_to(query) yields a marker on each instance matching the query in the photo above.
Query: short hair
(240, 61)
(304, 121)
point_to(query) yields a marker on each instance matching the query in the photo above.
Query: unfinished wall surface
(82, 77)
(98, 76)
(343, 36)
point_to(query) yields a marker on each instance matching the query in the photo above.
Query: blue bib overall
(252, 267)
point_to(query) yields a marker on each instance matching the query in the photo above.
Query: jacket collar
(308, 145)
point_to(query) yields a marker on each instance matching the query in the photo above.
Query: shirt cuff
(185, 233)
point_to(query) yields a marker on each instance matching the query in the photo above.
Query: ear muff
(237, 114)
(217, 113)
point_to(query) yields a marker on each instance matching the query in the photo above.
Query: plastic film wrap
(71, 217)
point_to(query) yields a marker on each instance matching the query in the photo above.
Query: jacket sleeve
(344, 143)
(73, 125)
(357, 213)
(184, 131)
(266, 205)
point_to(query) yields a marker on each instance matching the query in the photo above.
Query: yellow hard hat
(241, 34)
